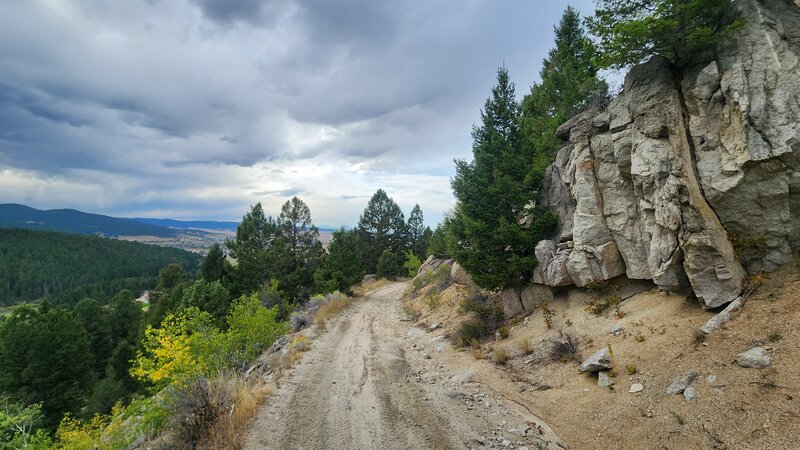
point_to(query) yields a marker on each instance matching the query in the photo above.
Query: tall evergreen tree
(381, 227)
(212, 268)
(208, 296)
(167, 295)
(342, 265)
(569, 83)
(95, 320)
(251, 248)
(301, 250)
(45, 358)
(417, 236)
(490, 242)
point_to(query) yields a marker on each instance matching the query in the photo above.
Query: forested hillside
(72, 221)
(34, 264)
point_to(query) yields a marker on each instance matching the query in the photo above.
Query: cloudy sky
(196, 109)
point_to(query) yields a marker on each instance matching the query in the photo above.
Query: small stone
(425, 355)
(756, 357)
(689, 394)
(522, 388)
(636, 387)
(603, 380)
(711, 379)
(679, 385)
(505, 443)
(616, 330)
(435, 326)
(723, 317)
(601, 360)
(463, 377)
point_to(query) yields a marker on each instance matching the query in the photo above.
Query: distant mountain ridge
(13, 215)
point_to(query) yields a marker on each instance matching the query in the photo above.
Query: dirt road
(366, 385)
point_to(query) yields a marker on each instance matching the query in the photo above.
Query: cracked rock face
(652, 187)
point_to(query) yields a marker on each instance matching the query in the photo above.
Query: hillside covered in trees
(36, 264)
(72, 221)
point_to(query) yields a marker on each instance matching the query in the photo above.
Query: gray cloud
(175, 96)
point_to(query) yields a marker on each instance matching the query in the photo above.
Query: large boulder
(534, 295)
(511, 302)
(744, 110)
(432, 263)
(552, 267)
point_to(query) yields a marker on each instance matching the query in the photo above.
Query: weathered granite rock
(603, 380)
(744, 110)
(432, 263)
(756, 357)
(459, 275)
(463, 377)
(511, 301)
(601, 360)
(723, 317)
(534, 295)
(679, 385)
(660, 184)
(552, 267)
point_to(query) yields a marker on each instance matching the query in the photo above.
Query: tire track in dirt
(355, 389)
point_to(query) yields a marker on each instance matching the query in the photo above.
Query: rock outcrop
(686, 179)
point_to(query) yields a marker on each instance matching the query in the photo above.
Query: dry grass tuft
(525, 346)
(230, 430)
(500, 355)
(330, 309)
(215, 413)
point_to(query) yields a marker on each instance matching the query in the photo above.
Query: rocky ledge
(687, 179)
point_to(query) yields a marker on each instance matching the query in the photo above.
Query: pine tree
(679, 31)
(212, 268)
(418, 234)
(489, 241)
(569, 83)
(45, 358)
(342, 265)
(301, 251)
(251, 248)
(381, 227)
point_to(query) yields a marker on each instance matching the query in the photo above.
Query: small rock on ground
(756, 358)
(680, 384)
(603, 379)
(463, 377)
(636, 387)
(601, 360)
(689, 394)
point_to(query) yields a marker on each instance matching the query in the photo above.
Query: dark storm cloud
(163, 93)
(231, 10)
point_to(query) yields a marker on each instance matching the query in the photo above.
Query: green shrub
(503, 332)
(469, 331)
(390, 265)
(412, 264)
